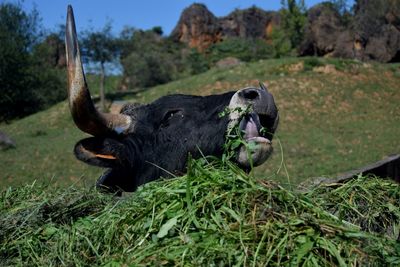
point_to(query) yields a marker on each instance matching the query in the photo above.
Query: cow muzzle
(254, 112)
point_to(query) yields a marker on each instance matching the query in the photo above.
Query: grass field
(335, 115)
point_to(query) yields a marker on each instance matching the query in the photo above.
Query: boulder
(56, 55)
(6, 142)
(373, 33)
(321, 31)
(385, 45)
(197, 27)
(249, 23)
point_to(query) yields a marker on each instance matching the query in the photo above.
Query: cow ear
(97, 151)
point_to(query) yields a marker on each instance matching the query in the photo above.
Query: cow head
(145, 142)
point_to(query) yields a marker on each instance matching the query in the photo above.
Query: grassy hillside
(335, 115)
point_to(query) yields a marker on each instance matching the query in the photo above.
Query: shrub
(27, 82)
(243, 49)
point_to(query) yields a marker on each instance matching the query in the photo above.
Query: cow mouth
(257, 128)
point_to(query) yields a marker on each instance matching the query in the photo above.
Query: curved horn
(83, 111)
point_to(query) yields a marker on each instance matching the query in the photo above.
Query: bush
(281, 45)
(146, 70)
(27, 82)
(148, 58)
(243, 49)
(293, 14)
(310, 63)
(196, 62)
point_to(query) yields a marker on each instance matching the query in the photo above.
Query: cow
(145, 142)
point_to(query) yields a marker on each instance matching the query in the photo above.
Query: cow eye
(169, 115)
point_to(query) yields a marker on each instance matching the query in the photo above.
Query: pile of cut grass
(214, 215)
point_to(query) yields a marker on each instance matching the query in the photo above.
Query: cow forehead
(188, 103)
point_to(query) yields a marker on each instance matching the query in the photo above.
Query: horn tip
(70, 36)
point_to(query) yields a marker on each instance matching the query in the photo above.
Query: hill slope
(335, 115)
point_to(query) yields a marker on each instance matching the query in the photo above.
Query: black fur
(165, 132)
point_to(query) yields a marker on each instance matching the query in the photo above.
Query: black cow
(145, 142)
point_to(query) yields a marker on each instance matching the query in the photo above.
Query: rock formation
(372, 34)
(322, 30)
(56, 56)
(249, 23)
(199, 28)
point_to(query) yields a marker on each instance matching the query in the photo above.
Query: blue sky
(142, 14)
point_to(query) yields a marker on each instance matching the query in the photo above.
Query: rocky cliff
(199, 28)
(372, 33)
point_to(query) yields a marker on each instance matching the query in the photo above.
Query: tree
(281, 45)
(148, 58)
(26, 83)
(196, 62)
(100, 47)
(293, 20)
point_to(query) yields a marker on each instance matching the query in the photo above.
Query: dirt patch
(297, 67)
(228, 62)
(327, 69)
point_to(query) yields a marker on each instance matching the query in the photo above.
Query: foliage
(281, 45)
(100, 47)
(243, 49)
(293, 14)
(196, 62)
(214, 215)
(148, 58)
(312, 62)
(27, 82)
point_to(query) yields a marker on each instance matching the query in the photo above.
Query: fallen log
(388, 167)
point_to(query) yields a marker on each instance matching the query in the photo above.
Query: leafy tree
(26, 83)
(149, 59)
(100, 47)
(196, 62)
(158, 30)
(281, 45)
(293, 20)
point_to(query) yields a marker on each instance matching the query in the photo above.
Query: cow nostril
(250, 94)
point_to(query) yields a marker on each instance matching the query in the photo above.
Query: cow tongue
(251, 133)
